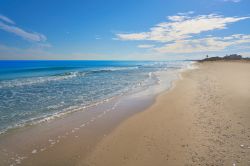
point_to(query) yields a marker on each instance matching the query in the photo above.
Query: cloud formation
(179, 34)
(182, 26)
(8, 25)
(207, 44)
(6, 19)
(145, 46)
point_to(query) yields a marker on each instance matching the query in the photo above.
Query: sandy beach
(203, 120)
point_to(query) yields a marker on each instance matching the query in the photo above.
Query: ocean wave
(110, 69)
(40, 69)
(55, 115)
(38, 80)
(58, 77)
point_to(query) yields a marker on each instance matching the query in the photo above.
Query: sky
(123, 30)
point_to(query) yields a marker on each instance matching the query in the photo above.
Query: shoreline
(75, 108)
(37, 143)
(204, 120)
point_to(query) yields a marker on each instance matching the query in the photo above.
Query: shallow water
(37, 91)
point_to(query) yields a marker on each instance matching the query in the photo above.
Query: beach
(125, 83)
(203, 120)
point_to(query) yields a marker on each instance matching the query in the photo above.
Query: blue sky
(123, 30)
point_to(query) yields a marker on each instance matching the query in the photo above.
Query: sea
(34, 92)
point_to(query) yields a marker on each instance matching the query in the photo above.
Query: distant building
(233, 57)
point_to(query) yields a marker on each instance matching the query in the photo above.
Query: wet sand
(66, 140)
(203, 120)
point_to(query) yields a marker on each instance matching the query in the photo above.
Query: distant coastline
(225, 58)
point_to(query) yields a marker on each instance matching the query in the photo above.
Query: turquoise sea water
(34, 91)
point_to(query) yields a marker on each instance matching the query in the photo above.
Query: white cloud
(145, 46)
(180, 16)
(31, 36)
(133, 36)
(6, 19)
(182, 26)
(205, 44)
(179, 35)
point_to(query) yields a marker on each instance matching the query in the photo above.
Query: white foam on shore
(192, 66)
(37, 80)
(50, 117)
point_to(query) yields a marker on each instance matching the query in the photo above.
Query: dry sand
(203, 120)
